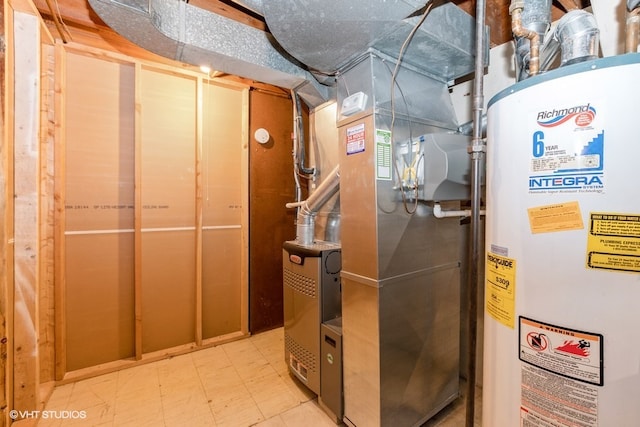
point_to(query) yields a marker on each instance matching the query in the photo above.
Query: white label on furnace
(355, 139)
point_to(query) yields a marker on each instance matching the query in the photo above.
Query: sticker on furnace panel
(567, 352)
(355, 139)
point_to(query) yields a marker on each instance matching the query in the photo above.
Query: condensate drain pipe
(439, 213)
(518, 30)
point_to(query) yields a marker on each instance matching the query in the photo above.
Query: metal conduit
(477, 150)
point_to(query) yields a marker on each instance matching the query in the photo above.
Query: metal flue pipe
(477, 151)
(633, 26)
(305, 227)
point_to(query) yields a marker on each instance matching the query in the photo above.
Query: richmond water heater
(562, 309)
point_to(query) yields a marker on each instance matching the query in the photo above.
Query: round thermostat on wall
(262, 136)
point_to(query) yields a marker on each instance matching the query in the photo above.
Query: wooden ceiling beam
(499, 20)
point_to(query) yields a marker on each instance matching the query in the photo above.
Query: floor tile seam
(119, 392)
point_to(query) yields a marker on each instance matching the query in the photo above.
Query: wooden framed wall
(152, 188)
(56, 233)
(26, 263)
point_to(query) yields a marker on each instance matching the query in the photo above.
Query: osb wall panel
(99, 145)
(221, 272)
(168, 150)
(168, 210)
(99, 211)
(224, 169)
(168, 289)
(222, 156)
(99, 299)
(151, 153)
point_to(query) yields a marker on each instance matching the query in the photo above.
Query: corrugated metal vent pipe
(305, 228)
(633, 26)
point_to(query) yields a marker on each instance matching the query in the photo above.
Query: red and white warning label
(561, 376)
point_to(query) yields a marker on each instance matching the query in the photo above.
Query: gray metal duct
(327, 35)
(176, 30)
(252, 5)
(578, 35)
(308, 208)
(576, 38)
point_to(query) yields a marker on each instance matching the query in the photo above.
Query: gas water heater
(562, 328)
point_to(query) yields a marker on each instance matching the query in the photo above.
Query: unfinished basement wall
(152, 175)
(131, 209)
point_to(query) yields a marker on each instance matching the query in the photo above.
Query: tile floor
(243, 383)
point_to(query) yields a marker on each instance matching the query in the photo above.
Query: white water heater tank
(562, 296)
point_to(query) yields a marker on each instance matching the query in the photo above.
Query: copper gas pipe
(633, 30)
(515, 10)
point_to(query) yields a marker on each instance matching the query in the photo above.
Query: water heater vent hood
(177, 30)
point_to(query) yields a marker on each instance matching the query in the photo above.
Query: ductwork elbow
(305, 228)
(579, 37)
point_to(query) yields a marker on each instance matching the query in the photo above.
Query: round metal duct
(325, 34)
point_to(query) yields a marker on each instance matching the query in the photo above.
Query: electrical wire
(394, 77)
(58, 22)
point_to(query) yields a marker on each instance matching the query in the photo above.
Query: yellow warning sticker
(614, 242)
(501, 288)
(558, 217)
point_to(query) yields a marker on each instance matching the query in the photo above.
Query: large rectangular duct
(400, 271)
(174, 29)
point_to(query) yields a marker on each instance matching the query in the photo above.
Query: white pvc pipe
(439, 213)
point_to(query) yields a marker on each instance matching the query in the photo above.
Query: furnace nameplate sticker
(614, 242)
(383, 154)
(355, 139)
(500, 288)
(558, 217)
